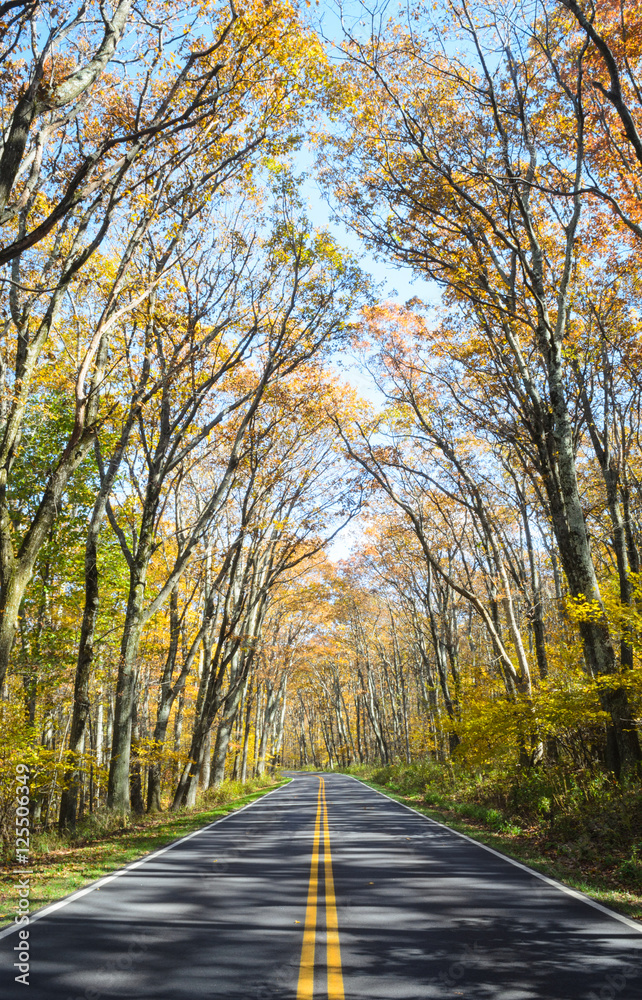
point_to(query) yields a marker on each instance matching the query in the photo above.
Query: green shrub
(583, 809)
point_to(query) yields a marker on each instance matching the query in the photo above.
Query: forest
(184, 450)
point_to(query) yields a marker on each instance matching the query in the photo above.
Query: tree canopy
(179, 450)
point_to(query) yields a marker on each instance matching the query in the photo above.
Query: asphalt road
(355, 897)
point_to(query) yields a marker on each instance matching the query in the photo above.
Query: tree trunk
(118, 784)
(246, 738)
(84, 663)
(570, 529)
(206, 766)
(135, 777)
(230, 713)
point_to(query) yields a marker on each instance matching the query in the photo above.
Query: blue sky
(397, 284)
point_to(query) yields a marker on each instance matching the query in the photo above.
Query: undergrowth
(582, 827)
(105, 841)
(105, 823)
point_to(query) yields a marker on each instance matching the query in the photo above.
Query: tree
(98, 148)
(293, 312)
(449, 168)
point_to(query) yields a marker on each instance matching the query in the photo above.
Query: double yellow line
(305, 989)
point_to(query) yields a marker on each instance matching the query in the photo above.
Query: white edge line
(575, 893)
(5, 932)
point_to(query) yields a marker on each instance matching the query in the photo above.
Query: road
(327, 890)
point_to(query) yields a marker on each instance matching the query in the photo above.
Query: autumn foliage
(178, 453)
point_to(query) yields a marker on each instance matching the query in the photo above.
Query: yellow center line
(335, 975)
(305, 989)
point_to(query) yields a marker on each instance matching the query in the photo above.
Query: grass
(597, 858)
(61, 864)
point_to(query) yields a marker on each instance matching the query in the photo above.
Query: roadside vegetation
(586, 834)
(105, 842)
